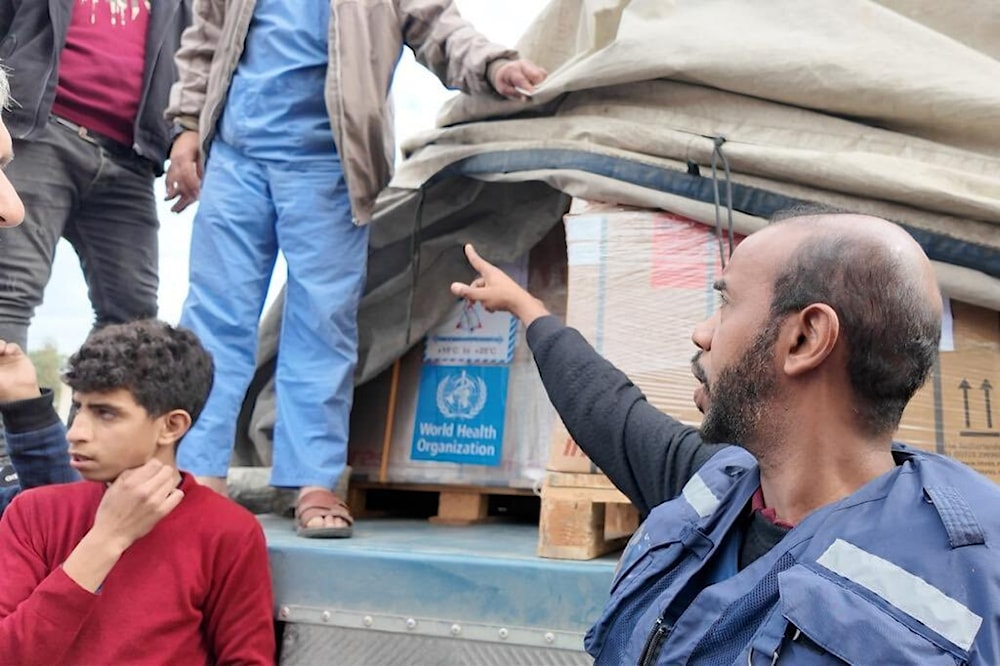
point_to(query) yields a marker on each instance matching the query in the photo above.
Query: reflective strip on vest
(700, 496)
(907, 592)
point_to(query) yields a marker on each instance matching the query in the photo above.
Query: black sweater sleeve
(31, 414)
(648, 455)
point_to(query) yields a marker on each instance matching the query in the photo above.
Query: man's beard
(739, 397)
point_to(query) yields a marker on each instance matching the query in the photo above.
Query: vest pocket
(834, 622)
(642, 579)
(650, 542)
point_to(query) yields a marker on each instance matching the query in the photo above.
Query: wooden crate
(456, 505)
(583, 516)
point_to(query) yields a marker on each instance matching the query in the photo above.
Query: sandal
(321, 504)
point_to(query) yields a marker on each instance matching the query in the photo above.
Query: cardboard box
(958, 411)
(469, 406)
(639, 282)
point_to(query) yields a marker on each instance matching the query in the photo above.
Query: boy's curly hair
(163, 367)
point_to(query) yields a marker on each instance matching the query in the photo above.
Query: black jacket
(34, 34)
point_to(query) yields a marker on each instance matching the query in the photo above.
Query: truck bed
(410, 592)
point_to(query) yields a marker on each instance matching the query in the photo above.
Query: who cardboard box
(469, 407)
(639, 282)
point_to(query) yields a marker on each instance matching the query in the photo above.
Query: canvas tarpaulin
(890, 108)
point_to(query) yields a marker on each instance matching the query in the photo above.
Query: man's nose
(11, 207)
(702, 334)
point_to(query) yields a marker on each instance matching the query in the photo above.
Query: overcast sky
(66, 316)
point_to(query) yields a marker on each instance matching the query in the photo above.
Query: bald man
(790, 528)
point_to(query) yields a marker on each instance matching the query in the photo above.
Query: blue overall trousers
(274, 182)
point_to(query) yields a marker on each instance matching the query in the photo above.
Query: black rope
(717, 156)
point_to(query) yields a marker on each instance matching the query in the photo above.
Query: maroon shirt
(757, 506)
(101, 67)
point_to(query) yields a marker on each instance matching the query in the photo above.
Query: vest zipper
(653, 644)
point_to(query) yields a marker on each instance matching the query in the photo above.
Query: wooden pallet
(583, 516)
(456, 505)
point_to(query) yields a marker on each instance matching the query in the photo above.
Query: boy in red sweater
(137, 564)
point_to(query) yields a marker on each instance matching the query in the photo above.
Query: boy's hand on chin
(135, 501)
(132, 505)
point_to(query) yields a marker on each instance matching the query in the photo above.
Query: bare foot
(321, 521)
(216, 483)
(18, 380)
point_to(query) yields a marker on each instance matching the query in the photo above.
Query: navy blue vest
(903, 571)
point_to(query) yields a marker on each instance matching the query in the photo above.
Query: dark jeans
(100, 200)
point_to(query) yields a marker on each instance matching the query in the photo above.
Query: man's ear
(176, 423)
(810, 337)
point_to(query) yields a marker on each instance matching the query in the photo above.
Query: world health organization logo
(460, 396)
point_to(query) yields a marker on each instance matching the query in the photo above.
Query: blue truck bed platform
(410, 592)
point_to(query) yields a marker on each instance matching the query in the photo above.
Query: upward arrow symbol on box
(986, 387)
(965, 386)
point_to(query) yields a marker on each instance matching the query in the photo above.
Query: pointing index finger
(477, 262)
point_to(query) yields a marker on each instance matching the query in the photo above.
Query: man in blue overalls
(291, 100)
(816, 540)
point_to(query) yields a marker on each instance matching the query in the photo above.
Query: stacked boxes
(639, 282)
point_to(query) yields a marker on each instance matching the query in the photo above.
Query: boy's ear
(176, 423)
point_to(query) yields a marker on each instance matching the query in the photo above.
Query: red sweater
(195, 590)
